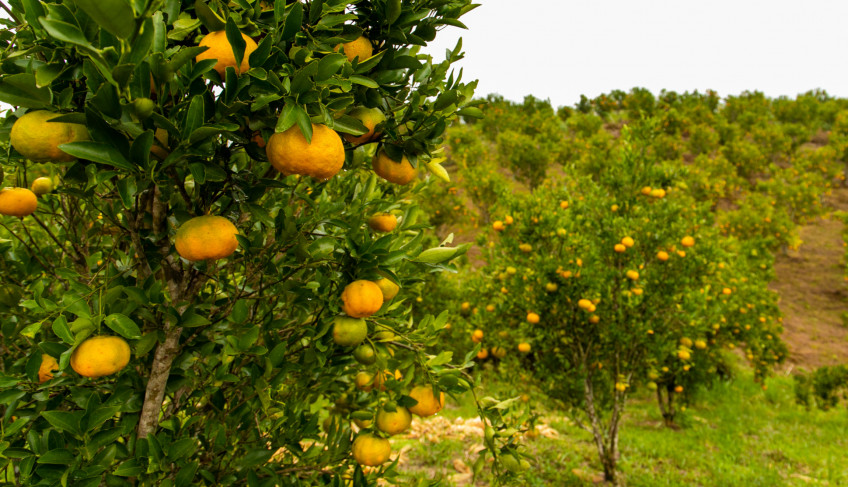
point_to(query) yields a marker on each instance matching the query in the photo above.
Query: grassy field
(733, 435)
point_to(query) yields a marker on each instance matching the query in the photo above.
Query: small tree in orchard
(207, 233)
(613, 280)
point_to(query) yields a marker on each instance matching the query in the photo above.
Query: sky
(558, 50)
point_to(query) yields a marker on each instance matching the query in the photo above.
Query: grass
(735, 435)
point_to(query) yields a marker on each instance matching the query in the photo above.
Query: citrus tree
(208, 230)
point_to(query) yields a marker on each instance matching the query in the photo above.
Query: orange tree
(208, 219)
(608, 281)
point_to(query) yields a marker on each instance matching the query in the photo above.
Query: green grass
(735, 435)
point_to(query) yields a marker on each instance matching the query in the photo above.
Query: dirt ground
(814, 294)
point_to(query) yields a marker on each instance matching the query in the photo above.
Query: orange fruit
(220, 49)
(508, 220)
(427, 403)
(17, 202)
(532, 318)
(383, 222)
(290, 153)
(394, 172)
(632, 275)
(678, 389)
(726, 290)
(393, 422)
(684, 355)
(38, 140)
(627, 242)
(362, 299)
(42, 186)
(687, 241)
(370, 450)
(349, 332)
(370, 117)
(619, 248)
(525, 247)
(524, 347)
(483, 354)
(477, 336)
(662, 255)
(101, 355)
(361, 48)
(48, 366)
(498, 226)
(388, 288)
(207, 237)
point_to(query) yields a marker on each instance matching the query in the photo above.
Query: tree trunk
(667, 409)
(606, 452)
(165, 354)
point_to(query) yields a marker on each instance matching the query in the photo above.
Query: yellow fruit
(525, 247)
(465, 306)
(48, 366)
(477, 336)
(17, 202)
(646, 190)
(561, 232)
(42, 186)
(726, 290)
(388, 288)
(370, 450)
(700, 344)
(383, 222)
(290, 153)
(637, 291)
(684, 355)
(394, 172)
(349, 332)
(563, 204)
(594, 319)
(482, 354)
(686, 342)
(393, 422)
(584, 304)
(498, 352)
(532, 318)
(38, 140)
(678, 389)
(658, 193)
(620, 387)
(206, 237)
(511, 270)
(360, 48)
(364, 381)
(687, 241)
(101, 355)
(614, 207)
(508, 220)
(362, 299)
(627, 242)
(370, 117)
(662, 255)
(427, 403)
(551, 287)
(498, 226)
(632, 275)
(619, 248)
(490, 308)
(681, 253)
(220, 49)
(524, 347)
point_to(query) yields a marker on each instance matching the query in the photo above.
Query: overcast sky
(559, 49)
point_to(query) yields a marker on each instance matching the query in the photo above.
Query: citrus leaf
(98, 152)
(123, 325)
(115, 16)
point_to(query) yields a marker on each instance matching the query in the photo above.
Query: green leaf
(293, 21)
(364, 81)
(305, 125)
(123, 326)
(210, 19)
(98, 152)
(236, 40)
(392, 11)
(61, 329)
(47, 73)
(130, 468)
(22, 90)
(438, 255)
(195, 117)
(349, 125)
(8, 397)
(115, 16)
(100, 415)
(191, 319)
(64, 420)
(59, 456)
(255, 457)
(127, 190)
(288, 117)
(329, 65)
(65, 32)
(440, 359)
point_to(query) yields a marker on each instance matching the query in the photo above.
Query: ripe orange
(290, 153)
(17, 202)
(383, 222)
(38, 140)
(362, 299)
(498, 226)
(525, 247)
(678, 389)
(684, 355)
(563, 204)
(658, 193)
(646, 190)
(498, 352)
(532, 318)
(687, 241)
(662, 255)
(627, 242)
(47, 367)
(594, 319)
(477, 336)
(208, 237)
(361, 48)
(394, 172)
(393, 422)
(220, 49)
(632, 275)
(524, 347)
(508, 220)
(584, 304)
(482, 354)
(349, 332)
(101, 355)
(370, 450)
(619, 248)
(427, 403)
(388, 288)
(551, 287)
(370, 117)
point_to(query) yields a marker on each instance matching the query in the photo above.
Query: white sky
(558, 49)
